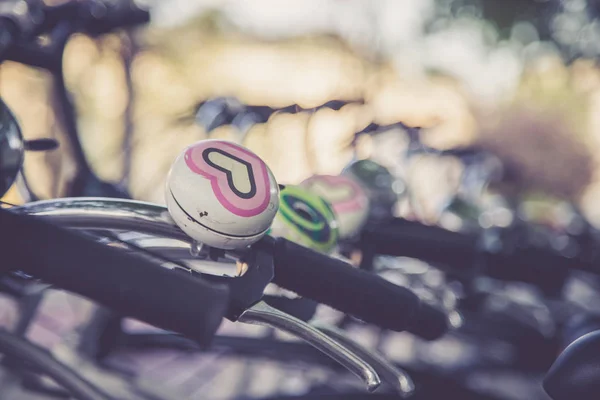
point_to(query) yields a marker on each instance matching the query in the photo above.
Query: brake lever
(263, 314)
(246, 305)
(398, 378)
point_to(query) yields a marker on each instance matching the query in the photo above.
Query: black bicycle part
(359, 293)
(576, 372)
(494, 253)
(124, 282)
(577, 326)
(11, 148)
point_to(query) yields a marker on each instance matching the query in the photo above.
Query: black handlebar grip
(578, 326)
(405, 238)
(430, 323)
(126, 283)
(576, 372)
(356, 292)
(462, 252)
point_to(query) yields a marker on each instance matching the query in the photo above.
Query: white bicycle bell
(222, 194)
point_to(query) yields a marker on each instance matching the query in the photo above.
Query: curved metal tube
(263, 314)
(152, 226)
(398, 378)
(103, 213)
(67, 377)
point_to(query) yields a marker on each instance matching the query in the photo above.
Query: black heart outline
(229, 174)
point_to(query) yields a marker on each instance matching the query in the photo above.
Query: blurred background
(465, 71)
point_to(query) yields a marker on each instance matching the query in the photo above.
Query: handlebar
(404, 238)
(359, 293)
(463, 252)
(126, 283)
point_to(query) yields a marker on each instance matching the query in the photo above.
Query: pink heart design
(243, 190)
